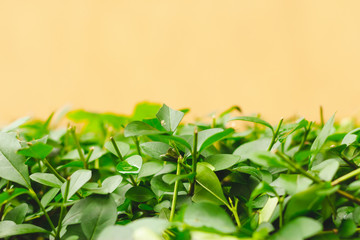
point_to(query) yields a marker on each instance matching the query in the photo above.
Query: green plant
(148, 176)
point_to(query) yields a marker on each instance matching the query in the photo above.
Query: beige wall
(276, 57)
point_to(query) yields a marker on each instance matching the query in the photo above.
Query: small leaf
(77, 180)
(267, 159)
(321, 138)
(169, 118)
(351, 137)
(327, 169)
(172, 178)
(138, 128)
(11, 194)
(131, 165)
(38, 150)
(49, 196)
(139, 194)
(18, 213)
(304, 202)
(254, 120)
(99, 212)
(210, 216)
(292, 183)
(150, 168)
(208, 187)
(298, 229)
(261, 188)
(222, 161)
(47, 179)
(108, 185)
(267, 211)
(124, 148)
(9, 228)
(347, 228)
(145, 110)
(247, 149)
(155, 149)
(214, 138)
(14, 125)
(13, 166)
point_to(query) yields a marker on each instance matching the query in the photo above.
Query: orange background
(278, 57)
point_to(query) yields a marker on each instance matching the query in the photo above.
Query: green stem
(86, 163)
(281, 209)
(297, 167)
(322, 116)
(275, 134)
(335, 182)
(349, 162)
(3, 206)
(116, 148)
(53, 171)
(136, 141)
(62, 211)
(348, 196)
(233, 209)
(77, 143)
(132, 179)
(35, 197)
(345, 177)
(176, 189)
(194, 161)
(306, 133)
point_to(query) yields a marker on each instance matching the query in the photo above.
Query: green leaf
(38, 150)
(138, 128)
(13, 166)
(145, 110)
(77, 180)
(47, 179)
(172, 178)
(169, 118)
(222, 161)
(108, 185)
(11, 194)
(321, 138)
(326, 169)
(205, 135)
(298, 229)
(249, 170)
(304, 202)
(268, 210)
(139, 194)
(267, 159)
(131, 165)
(208, 187)
(292, 183)
(351, 137)
(144, 228)
(124, 148)
(347, 228)
(155, 149)
(254, 120)
(99, 212)
(75, 213)
(262, 187)
(49, 196)
(9, 228)
(210, 140)
(208, 215)
(150, 168)
(247, 149)
(14, 125)
(18, 213)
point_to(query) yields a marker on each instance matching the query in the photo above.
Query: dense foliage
(148, 176)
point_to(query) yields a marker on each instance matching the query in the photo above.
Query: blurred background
(277, 58)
